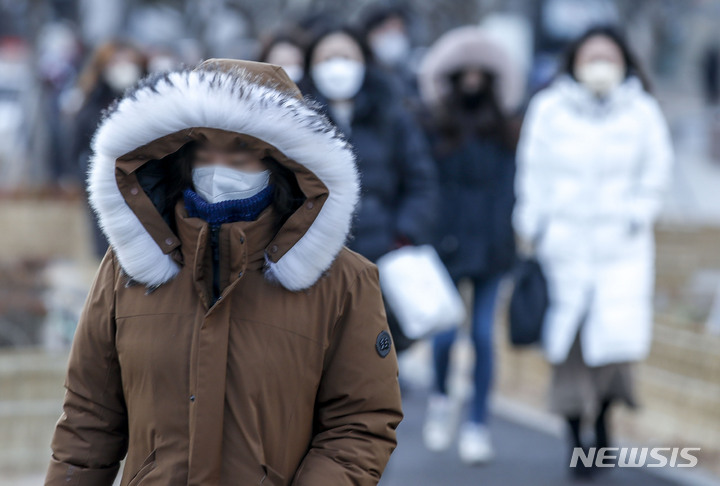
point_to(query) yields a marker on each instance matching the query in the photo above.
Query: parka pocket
(271, 477)
(145, 468)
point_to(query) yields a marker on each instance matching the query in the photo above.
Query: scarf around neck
(227, 211)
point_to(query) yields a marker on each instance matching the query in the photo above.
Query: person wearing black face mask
(470, 88)
(473, 108)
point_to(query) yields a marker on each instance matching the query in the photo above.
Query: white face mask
(216, 183)
(391, 48)
(339, 79)
(600, 77)
(295, 72)
(122, 75)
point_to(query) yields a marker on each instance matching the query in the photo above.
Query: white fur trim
(233, 102)
(469, 46)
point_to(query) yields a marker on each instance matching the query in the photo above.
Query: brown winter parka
(289, 378)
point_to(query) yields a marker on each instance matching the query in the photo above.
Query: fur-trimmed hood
(254, 103)
(469, 47)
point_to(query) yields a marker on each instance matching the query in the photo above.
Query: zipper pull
(214, 240)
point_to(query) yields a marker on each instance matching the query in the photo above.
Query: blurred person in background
(594, 158)
(399, 182)
(385, 29)
(21, 163)
(114, 67)
(59, 57)
(163, 59)
(227, 200)
(711, 73)
(287, 50)
(470, 88)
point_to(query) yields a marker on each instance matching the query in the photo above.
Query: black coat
(398, 176)
(86, 122)
(474, 234)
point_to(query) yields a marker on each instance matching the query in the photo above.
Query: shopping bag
(419, 291)
(528, 303)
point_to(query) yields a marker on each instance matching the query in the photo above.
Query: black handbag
(528, 303)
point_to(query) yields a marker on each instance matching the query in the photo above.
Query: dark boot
(580, 472)
(602, 435)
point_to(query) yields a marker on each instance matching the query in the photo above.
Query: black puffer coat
(474, 235)
(476, 157)
(398, 176)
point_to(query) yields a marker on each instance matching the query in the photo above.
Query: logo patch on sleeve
(383, 343)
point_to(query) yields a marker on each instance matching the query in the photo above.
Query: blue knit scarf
(227, 211)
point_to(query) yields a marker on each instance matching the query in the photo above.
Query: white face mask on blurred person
(339, 79)
(295, 72)
(162, 64)
(600, 77)
(390, 48)
(122, 75)
(217, 183)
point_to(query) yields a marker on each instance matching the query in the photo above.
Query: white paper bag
(419, 291)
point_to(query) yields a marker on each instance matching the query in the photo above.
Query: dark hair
(377, 14)
(179, 173)
(91, 73)
(453, 121)
(290, 35)
(337, 29)
(287, 196)
(632, 66)
(319, 19)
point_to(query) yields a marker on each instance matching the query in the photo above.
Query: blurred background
(56, 77)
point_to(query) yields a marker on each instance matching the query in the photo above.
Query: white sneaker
(440, 422)
(474, 445)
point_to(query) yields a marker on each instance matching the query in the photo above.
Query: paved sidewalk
(524, 456)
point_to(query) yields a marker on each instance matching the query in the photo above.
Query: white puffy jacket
(591, 175)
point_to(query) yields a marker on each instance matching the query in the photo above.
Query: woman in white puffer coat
(593, 161)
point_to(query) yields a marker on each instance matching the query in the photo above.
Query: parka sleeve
(531, 183)
(656, 167)
(358, 403)
(503, 203)
(90, 438)
(419, 190)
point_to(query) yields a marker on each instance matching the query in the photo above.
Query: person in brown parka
(229, 337)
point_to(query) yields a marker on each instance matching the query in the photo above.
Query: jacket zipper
(215, 246)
